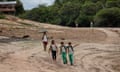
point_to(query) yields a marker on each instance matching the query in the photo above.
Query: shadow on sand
(8, 40)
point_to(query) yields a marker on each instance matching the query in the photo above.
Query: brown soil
(98, 50)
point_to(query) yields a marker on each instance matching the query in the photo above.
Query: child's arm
(60, 50)
(42, 37)
(56, 49)
(49, 49)
(76, 45)
(67, 49)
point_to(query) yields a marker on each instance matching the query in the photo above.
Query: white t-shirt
(54, 47)
(63, 48)
(45, 38)
(70, 50)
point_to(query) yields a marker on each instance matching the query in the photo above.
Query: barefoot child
(71, 52)
(63, 52)
(53, 49)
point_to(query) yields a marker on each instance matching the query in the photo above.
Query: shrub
(2, 16)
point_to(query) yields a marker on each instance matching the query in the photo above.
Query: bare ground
(98, 50)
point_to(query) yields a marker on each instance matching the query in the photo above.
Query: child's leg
(55, 56)
(71, 59)
(45, 45)
(52, 55)
(64, 58)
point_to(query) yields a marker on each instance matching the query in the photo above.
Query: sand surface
(98, 53)
(98, 49)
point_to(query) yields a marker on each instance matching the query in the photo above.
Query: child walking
(63, 52)
(71, 52)
(45, 40)
(53, 49)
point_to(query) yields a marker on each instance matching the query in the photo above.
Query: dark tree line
(82, 12)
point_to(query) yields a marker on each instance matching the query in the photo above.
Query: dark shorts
(54, 55)
(45, 43)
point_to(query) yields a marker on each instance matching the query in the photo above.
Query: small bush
(2, 16)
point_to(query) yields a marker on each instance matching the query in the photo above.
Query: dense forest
(101, 13)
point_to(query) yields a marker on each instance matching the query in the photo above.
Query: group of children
(63, 50)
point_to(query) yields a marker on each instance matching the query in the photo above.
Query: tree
(83, 21)
(109, 17)
(68, 13)
(53, 15)
(89, 8)
(113, 3)
(19, 7)
(2, 16)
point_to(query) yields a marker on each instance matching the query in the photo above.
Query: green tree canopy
(109, 17)
(113, 3)
(19, 7)
(70, 12)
